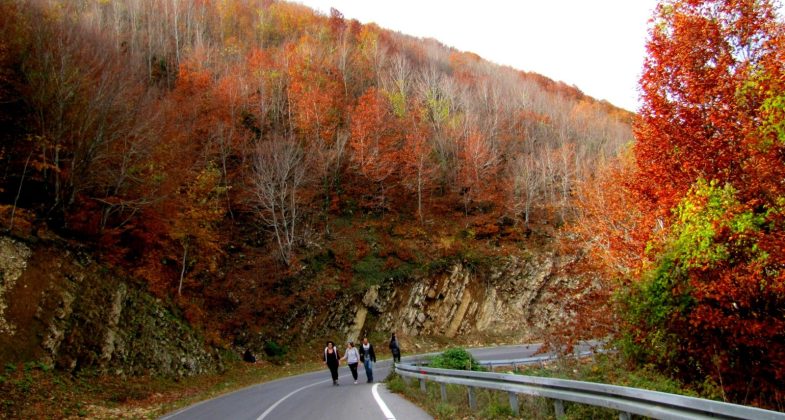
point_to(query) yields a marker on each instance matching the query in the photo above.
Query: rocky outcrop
(70, 312)
(13, 261)
(517, 297)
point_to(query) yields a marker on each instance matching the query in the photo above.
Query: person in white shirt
(352, 358)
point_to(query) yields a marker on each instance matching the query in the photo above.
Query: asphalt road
(312, 395)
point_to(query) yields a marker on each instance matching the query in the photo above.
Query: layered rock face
(519, 297)
(63, 309)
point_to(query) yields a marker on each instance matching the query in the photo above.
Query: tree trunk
(19, 191)
(182, 272)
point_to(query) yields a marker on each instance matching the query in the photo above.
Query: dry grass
(34, 391)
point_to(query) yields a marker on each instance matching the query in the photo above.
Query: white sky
(596, 45)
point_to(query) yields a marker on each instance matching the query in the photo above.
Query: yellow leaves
(397, 102)
(205, 186)
(369, 39)
(232, 47)
(446, 243)
(195, 225)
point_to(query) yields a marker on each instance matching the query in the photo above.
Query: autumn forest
(234, 156)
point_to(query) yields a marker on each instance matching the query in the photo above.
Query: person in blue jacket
(368, 357)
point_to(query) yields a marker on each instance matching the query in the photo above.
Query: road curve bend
(312, 395)
(308, 396)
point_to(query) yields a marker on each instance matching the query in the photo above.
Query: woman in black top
(332, 358)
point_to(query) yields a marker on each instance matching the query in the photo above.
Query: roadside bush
(274, 351)
(455, 358)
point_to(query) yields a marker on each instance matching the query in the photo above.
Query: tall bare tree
(527, 186)
(279, 176)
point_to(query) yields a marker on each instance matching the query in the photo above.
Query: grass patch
(370, 270)
(612, 369)
(490, 404)
(445, 411)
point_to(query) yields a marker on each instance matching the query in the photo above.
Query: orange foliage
(609, 225)
(315, 92)
(375, 140)
(709, 166)
(478, 177)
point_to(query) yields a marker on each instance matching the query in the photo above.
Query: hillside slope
(250, 163)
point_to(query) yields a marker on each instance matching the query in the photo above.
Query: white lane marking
(183, 410)
(272, 407)
(387, 413)
(248, 388)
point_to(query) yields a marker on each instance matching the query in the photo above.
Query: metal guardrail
(532, 359)
(626, 400)
(424, 359)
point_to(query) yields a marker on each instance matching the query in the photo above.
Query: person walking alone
(395, 349)
(352, 358)
(332, 359)
(368, 357)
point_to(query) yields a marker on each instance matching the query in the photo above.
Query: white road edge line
(387, 413)
(272, 407)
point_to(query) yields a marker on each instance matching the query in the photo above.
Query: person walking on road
(332, 359)
(368, 357)
(395, 349)
(352, 358)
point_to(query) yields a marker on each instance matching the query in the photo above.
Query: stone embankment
(518, 298)
(61, 308)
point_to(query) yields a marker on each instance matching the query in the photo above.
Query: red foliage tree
(478, 177)
(375, 142)
(315, 92)
(709, 153)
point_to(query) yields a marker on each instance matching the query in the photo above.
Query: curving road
(308, 396)
(312, 395)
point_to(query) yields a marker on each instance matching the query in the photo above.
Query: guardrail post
(643, 401)
(472, 398)
(514, 403)
(443, 387)
(558, 408)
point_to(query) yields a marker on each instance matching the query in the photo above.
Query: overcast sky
(596, 45)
